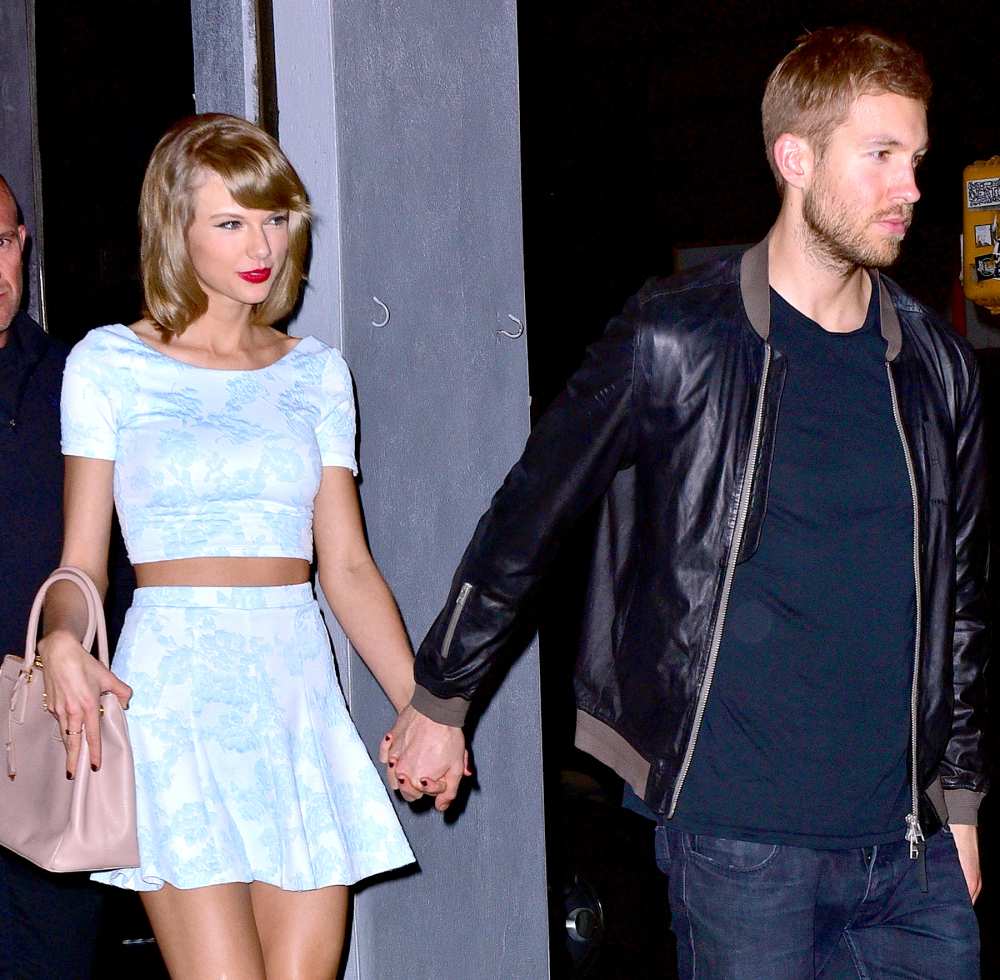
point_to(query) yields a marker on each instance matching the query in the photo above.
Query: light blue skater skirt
(247, 764)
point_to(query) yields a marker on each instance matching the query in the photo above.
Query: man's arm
(570, 459)
(963, 771)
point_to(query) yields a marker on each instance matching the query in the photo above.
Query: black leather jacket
(672, 419)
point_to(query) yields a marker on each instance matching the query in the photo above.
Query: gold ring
(68, 732)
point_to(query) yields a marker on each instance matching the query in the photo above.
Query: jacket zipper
(914, 834)
(727, 583)
(463, 594)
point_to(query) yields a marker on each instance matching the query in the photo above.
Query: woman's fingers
(72, 736)
(92, 732)
(117, 687)
(384, 747)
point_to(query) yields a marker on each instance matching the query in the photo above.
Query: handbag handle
(95, 614)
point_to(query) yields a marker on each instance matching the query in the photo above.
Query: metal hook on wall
(385, 310)
(507, 333)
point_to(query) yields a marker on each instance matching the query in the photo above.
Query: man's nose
(906, 186)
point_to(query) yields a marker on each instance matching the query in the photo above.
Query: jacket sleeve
(963, 771)
(572, 455)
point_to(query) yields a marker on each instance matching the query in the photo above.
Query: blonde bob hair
(811, 91)
(257, 174)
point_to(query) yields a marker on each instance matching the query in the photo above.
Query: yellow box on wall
(981, 233)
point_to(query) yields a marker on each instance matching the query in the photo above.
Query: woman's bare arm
(355, 589)
(74, 680)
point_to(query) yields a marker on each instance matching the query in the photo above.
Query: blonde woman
(228, 449)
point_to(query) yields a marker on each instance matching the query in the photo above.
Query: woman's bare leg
(206, 933)
(301, 933)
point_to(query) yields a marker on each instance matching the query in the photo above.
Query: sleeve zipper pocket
(463, 594)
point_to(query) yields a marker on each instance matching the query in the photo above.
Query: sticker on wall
(983, 193)
(984, 235)
(987, 267)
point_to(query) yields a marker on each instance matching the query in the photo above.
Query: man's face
(11, 249)
(859, 201)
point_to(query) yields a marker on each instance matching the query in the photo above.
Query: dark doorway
(111, 78)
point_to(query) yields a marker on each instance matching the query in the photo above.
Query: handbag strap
(96, 626)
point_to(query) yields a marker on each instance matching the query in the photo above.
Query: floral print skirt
(248, 766)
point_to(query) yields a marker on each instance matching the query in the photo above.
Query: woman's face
(236, 252)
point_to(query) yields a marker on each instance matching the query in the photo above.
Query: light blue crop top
(209, 462)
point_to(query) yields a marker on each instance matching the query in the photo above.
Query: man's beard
(838, 240)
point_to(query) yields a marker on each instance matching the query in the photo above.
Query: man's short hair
(811, 91)
(257, 174)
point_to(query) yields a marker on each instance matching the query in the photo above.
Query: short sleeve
(335, 428)
(86, 406)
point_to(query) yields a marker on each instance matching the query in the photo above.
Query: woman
(228, 447)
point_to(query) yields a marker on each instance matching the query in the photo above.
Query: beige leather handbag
(83, 824)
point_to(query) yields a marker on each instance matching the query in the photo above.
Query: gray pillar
(18, 131)
(226, 57)
(402, 117)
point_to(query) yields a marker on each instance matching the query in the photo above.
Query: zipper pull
(914, 835)
(463, 594)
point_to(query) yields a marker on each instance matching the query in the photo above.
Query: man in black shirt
(48, 922)
(787, 657)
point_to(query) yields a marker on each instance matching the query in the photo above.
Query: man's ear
(22, 234)
(794, 158)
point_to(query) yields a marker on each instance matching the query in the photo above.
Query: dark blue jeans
(747, 911)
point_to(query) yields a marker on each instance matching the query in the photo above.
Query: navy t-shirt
(805, 737)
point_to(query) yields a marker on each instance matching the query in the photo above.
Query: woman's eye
(229, 225)
(278, 219)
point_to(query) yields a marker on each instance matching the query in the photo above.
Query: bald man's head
(12, 235)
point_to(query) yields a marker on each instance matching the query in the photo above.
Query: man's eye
(880, 155)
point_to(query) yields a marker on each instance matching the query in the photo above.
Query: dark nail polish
(392, 765)
(388, 738)
(69, 775)
(93, 768)
(423, 782)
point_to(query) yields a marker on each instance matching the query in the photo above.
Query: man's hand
(423, 756)
(967, 842)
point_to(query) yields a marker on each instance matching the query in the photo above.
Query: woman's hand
(423, 756)
(74, 683)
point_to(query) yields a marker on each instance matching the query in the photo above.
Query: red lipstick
(255, 275)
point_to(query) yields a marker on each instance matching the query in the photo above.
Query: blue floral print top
(209, 462)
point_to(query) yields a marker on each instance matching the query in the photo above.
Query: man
(793, 559)
(48, 923)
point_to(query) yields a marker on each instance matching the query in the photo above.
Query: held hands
(423, 756)
(74, 683)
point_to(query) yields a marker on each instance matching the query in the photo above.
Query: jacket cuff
(963, 805)
(445, 711)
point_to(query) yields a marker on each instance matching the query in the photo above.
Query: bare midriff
(223, 572)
